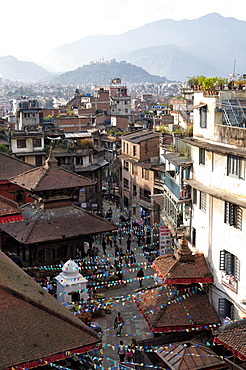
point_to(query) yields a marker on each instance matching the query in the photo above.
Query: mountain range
(211, 45)
(174, 49)
(17, 70)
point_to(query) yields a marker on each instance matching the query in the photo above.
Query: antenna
(234, 68)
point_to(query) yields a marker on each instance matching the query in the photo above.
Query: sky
(30, 29)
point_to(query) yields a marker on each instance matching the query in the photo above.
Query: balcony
(145, 199)
(172, 185)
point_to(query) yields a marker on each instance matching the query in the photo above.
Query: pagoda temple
(54, 228)
(182, 304)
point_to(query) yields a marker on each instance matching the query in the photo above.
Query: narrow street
(135, 325)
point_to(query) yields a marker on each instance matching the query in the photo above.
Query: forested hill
(102, 72)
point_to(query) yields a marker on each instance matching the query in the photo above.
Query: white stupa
(71, 285)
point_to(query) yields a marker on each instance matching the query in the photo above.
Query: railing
(146, 199)
(172, 185)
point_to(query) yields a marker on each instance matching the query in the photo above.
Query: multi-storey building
(219, 194)
(140, 151)
(28, 145)
(176, 206)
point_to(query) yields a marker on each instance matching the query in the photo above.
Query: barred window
(233, 165)
(203, 201)
(230, 264)
(233, 215)
(225, 308)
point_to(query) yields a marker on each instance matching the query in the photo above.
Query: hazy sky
(30, 29)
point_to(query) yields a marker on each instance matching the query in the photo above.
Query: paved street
(135, 326)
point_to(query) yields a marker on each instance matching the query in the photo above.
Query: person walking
(129, 354)
(122, 351)
(128, 243)
(110, 241)
(118, 323)
(140, 275)
(104, 244)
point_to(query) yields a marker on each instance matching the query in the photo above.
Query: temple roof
(9, 210)
(189, 355)
(183, 267)
(50, 177)
(35, 325)
(8, 206)
(233, 337)
(165, 313)
(11, 166)
(50, 224)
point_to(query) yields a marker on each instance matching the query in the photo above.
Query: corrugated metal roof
(75, 135)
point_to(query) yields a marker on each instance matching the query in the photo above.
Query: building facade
(140, 151)
(219, 195)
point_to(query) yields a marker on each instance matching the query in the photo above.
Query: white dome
(70, 268)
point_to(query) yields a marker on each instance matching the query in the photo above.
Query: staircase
(233, 112)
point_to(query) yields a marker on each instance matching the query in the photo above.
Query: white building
(71, 285)
(218, 184)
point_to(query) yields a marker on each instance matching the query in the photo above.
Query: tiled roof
(49, 178)
(188, 356)
(165, 313)
(11, 166)
(50, 224)
(35, 324)
(183, 267)
(233, 337)
(8, 207)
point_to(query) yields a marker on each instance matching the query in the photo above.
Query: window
(36, 143)
(233, 165)
(21, 143)
(134, 190)
(225, 308)
(202, 156)
(126, 165)
(39, 160)
(126, 110)
(134, 150)
(194, 196)
(233, 215)
(79, 161)
(203, 117)
(126, 184)
(193, 236)
(20, 197)
(203, 201)
(230, 264)
(126, 201)
(145, 174)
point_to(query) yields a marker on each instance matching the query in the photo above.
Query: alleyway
(135, 325)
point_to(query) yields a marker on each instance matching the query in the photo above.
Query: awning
(54, 138)
(8, 219)
(158, 198)
(216, 193)
(200, 105)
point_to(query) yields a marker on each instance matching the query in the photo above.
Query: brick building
(139, 149)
